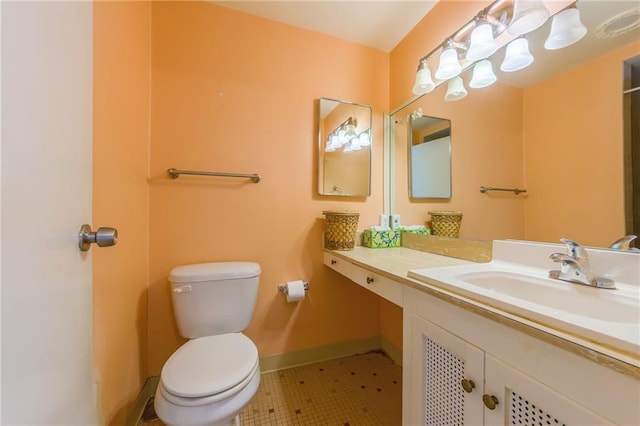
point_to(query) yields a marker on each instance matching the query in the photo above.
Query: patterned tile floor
(362, 390)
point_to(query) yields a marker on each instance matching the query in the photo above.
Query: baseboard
(148, 390)
(323, 353)
(390, 349)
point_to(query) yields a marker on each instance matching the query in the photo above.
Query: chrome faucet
(624, 243)
(575, 267)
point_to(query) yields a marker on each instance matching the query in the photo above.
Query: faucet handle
(576, 251)
(623, 243)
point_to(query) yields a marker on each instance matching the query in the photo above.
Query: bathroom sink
(580, 300)
(606, 317)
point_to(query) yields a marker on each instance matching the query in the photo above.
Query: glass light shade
(449, 65)
(455, 90)
(350, 131)
(517, 56)
(528, 15)
(566, 29)
(483, 75)
(482, 43)
(354, 145)
(424, 83)
(364, 139)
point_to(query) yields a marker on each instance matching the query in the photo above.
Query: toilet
(213, 376)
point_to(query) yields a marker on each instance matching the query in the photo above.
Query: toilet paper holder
(282, 288)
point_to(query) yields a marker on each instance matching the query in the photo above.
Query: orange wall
(574, 153)
(120, 200)
(486, 142)
(236, 93)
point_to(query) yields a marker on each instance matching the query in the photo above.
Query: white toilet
(214, 375)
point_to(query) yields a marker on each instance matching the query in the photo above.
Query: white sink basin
(607, 317)
(601, 304)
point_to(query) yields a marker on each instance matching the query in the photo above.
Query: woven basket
(341, 229)
(446, 223)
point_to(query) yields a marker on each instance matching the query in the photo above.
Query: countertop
(394, 263)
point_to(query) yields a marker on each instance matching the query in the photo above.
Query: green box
(425, 231)
(381, 239)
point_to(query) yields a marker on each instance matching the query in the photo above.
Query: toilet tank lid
(213, 271)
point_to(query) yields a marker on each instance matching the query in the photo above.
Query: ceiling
(378, 24)
(382, 24)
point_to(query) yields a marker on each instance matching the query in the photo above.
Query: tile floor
(362, 390)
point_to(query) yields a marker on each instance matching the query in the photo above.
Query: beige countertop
(394, 263)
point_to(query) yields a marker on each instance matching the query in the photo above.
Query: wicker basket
(341, 229)
(446, 223)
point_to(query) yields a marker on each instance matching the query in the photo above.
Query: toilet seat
(210, 368)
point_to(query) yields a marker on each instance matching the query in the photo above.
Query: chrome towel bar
(174, 173)
(516, 191)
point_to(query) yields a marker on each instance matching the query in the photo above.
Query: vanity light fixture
(345, 136)
(566, 29)
(424, 83)
(483, 75)
(449, 64)
(482, 44)
(528, 15)
(517, 56)
(455, 89)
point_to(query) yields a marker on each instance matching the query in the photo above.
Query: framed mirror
(344, 148)
(429, 143)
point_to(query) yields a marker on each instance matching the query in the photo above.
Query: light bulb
(528, 15)
(482, 43)
(424, 83)
(483, 75)
(566, 29)
(455, 90)
(449, 65)
(517, 56)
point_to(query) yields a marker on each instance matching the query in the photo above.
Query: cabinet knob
(490, 401)
(468, 385)
(369, 280)
(333, 261)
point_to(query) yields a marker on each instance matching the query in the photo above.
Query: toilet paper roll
(295, 291)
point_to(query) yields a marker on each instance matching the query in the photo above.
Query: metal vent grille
(444, 396)
(524, 412)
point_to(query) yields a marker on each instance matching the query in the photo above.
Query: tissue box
(381, 239)
(425, 231)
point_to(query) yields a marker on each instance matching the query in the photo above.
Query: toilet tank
(214, 298)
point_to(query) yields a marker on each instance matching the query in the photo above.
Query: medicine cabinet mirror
(344, 148)
(429, 143)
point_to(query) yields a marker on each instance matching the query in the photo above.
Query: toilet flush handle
(182, 289)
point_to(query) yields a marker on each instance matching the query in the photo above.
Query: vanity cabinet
(463, 369)
(337, 264)
(380, 285)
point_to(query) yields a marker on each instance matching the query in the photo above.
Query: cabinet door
(439, 363)
(520, 400)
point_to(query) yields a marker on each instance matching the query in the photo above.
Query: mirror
(344, 149)
(556, 132)
(429, 156)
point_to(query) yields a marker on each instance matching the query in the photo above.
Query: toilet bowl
(208, 381)
(214, 375)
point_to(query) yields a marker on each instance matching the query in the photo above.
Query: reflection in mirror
(344, 148)
(555, 128)
(429, 157)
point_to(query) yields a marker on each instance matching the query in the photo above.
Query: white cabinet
(519, 380)
(522, 400)
(443, 377)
